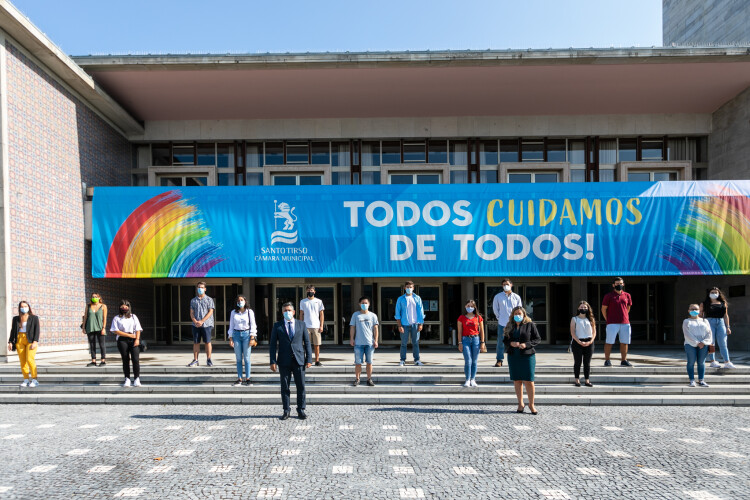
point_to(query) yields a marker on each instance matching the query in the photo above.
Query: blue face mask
(518, 318)
(364, 306)
(24, 310)
(288, 315)
(241, 304)
(408, 290)
(694, 314)
(201, 291)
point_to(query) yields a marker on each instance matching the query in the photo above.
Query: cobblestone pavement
(345, 452)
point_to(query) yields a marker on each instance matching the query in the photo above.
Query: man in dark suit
(295, 354)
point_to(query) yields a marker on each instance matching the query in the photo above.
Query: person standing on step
(502, 306)
(583, 333)
(128, 331)
(410, 317)
(363, 336)
(470, 328)
(698, 337)
(520, 336)
(615, 310)
(715, 309)
(242, 334)
(95, 327)
(24, 338)
(290, 338)
(202, 315)
(311, 312)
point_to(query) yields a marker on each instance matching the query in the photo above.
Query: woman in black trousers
(583, 333)
(520, 336)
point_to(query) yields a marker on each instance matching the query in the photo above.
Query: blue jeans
(719, 332)
(471, 354)
(410, 331)
(242, 351)
(694, 354)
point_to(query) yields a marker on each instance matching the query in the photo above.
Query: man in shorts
(363, 336)
(202, 315)
(615, 309)
(311, 312)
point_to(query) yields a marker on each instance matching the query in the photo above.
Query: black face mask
(583, 311)
(124, 310)
(619, 287)
(311, 294)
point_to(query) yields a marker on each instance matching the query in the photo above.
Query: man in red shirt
(615, 308)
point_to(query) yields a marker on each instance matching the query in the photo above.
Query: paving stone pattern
(350, 452)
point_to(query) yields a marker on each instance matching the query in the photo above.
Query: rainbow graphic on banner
(713, 236)
(165, 237)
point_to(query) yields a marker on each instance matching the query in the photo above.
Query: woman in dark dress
(520, 336)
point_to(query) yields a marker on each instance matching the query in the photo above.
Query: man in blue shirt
(410, 317)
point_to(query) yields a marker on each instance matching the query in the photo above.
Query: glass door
(181, 324)
(534, 298)
(295, 294)
(431, 295)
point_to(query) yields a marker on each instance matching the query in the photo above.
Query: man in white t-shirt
(311, 312)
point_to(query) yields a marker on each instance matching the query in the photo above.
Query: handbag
(711, 348)
(142, 346)
(253, 342)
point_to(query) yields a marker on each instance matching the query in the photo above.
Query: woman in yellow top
(24, 337)
(94, 326)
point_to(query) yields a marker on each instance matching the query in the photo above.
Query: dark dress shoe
(301, 414)
(285, 416)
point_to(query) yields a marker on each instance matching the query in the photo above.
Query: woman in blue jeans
(242, 334)
(715, 309)
(697, 334)
(471, 332)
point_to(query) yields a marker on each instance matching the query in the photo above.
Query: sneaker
(728, 365)
(473, 383)
(209, 362)
(703, 383)
(467, 383)
(401, 363)
(33, 383)
(137, 382)
(692, 383)
(238, 383)
(356, 382)
(93, 363)
(715, 364)
(25, 383)
(103, 363)
(248, 383)
(193, 363)
(126, 383)
(370, 382)
(607, 362)
(318, 363)
(625, 363)
(418, 363)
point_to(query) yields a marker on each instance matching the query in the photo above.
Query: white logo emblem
(287, 234)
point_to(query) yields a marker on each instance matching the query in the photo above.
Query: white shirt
(503, 306)
(289, 327)
(696, 331)
(312, 309)
(240, 322)
(583, 327)
(127, 325)
(411, 310)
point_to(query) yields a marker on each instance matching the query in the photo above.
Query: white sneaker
(692, 383)
(400, 363)
(33, 383)
(703, 383)
(137, 382)
(473, 383)
(728, 365)
(467, 383)
(715, 364)
(25, 383)
(418, 363)
(126, 383)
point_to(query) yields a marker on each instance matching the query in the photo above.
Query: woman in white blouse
(697, 333)
(242, 334)
(128, 330)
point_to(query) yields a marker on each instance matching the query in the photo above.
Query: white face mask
(241, 304)
(714, 296)
(507, 288)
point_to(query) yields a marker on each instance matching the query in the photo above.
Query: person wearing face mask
(502, 306)
(410, 317)
(520, 336)
(242, 334)
(698, 337)
(311, 312)
(290, 338)
(715, 309)
(94, 326)
(363, 336)
(615, 309)
(128, 330)
(24, 338)
(202, 315)
(583, 333)
(470, 328)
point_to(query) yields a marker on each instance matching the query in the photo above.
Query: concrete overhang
(28, 36)
(664, 80)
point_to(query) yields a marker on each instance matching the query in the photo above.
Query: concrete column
(248, 290)
(467, 291)
(578, 291)
(357, 287)
(6, 307)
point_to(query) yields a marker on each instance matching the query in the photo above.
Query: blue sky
(82, 27)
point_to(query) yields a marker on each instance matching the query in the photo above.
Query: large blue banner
(572, 229)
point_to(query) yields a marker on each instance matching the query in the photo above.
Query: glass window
(519, 178)
(371, 154)
(677, 149)
(196, 181)
(606, 175)
(488, 176)
(459, 153)
(321, 153)
(225, 155)
(340, 154)
(310, 180)
(391, 152)
(140, 180)
(428, 178)
(578, 175)
(296, 152)
(254, 154)
(639, 177)
(626, 150)
(402, 179)
(698, 149)
(532, 151)
(651, 150)
(576, 152)
(607, 151)
(183, 154)
(284, 180)
(254, 179)
(545, 177)
(459, 176)
(438, 151)
(274, 153)
(509, 151)
(414, 152)
(488, 153)
(207, 154)
(161, 155)
(665, 176)
(226, 179)
(340, 178)
(370, 177)
(556, 150)
(355, 153)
